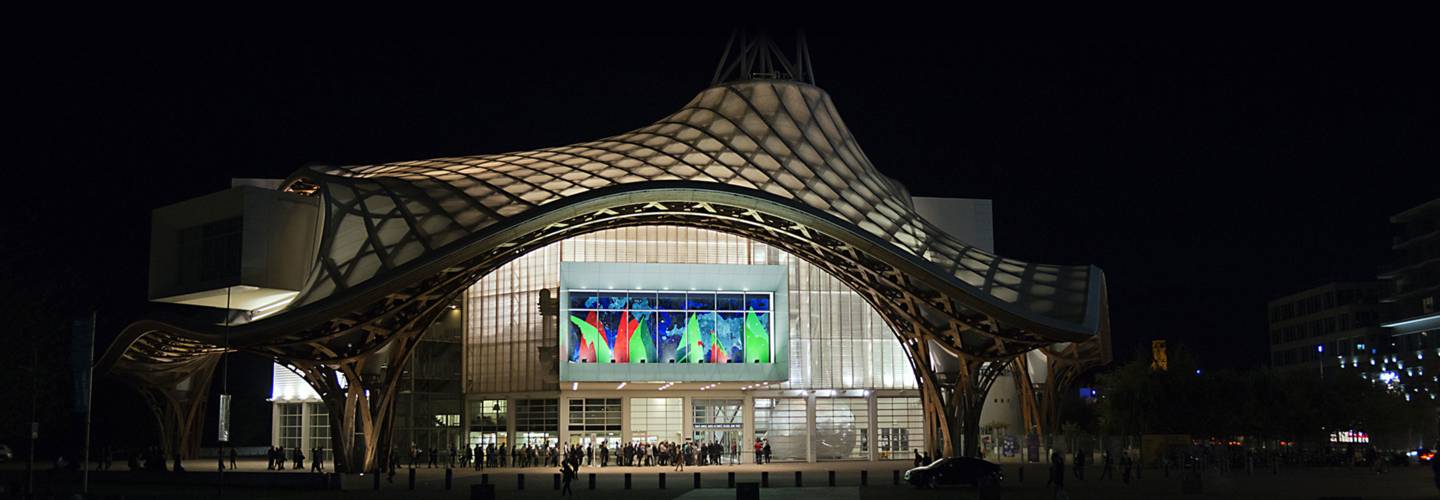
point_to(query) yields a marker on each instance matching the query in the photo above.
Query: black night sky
(1205, 177)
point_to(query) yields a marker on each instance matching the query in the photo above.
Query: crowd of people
(276, 457)
(658, 454)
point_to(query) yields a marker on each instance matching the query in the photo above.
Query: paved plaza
(1298, 483)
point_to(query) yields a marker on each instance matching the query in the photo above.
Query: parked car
(5, 454)
(1423, 455)
(955, 470)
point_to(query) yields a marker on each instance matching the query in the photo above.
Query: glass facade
(511, 353)
(595, 420)
(837, 341)
(430, 404)
(900, 423)
(537, 421)
(319, 427)
(656, 419)
(717, 420)
(292, 425)
(303, 425)
(489, 421)
(784, 423)
(842, 428)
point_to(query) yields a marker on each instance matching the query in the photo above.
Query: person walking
(317, 459)
(434, 458)
(918, 459)
(1080, 464)
(567, 476)
(232, 458)
(1057, 471)
(767, 451)
(1108, 471)
(394, 464)
(1126, 464)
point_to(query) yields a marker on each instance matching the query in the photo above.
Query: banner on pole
(80, 349)
(224, 422)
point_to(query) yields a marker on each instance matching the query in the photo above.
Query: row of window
(1356, 346)
(1323, 301)
(1324, 326)
(296, 432)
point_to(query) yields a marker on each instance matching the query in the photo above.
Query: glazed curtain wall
(837, 341)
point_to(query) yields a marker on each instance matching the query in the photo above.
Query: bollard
(747, 491)
(730, 480)
(662, 480)
(864, 478)
(519, 481)
(798, 481)
(627, 481)
(483, 491)
(484, 479)
(412, 479)
(895, 476)
(697, 480)
(449, 478)
(555, 480)
(765, 479)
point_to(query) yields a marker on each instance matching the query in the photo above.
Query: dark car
(955, 470)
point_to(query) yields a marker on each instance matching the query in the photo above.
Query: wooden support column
(177, 399)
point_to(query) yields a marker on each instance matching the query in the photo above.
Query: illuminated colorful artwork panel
(669, 327)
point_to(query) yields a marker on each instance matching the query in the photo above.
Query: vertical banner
(224, 422)
(80, 349)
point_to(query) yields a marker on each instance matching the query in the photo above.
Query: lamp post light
(1320, 356)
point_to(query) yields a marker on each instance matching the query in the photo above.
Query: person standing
(1080, 464)
(1108, 471)
(1435, 468)
(232, 458)
(317, 459)
(767, 451)
(918, 459)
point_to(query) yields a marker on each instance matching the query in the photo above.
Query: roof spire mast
(748, 57)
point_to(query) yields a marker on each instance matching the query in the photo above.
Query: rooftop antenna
(757, 57)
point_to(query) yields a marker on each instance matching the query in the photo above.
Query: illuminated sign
(1349, 437)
